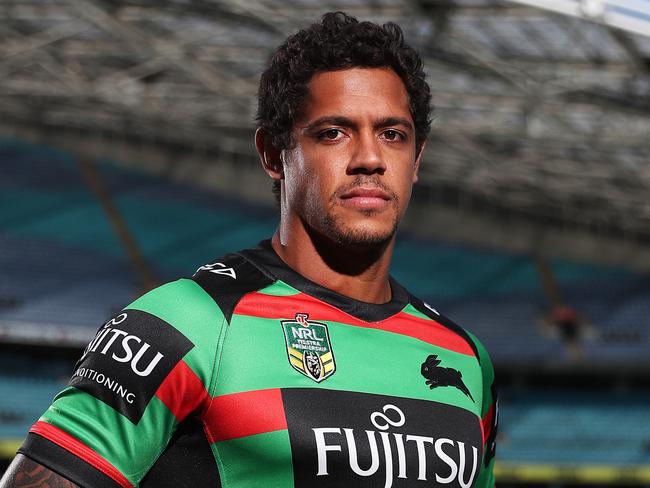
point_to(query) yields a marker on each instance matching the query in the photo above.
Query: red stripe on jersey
(247, 413)
(428, 330)
(486, 423)
(79, 449)
(257, 304)
(183, 392)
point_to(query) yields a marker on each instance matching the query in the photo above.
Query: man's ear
(269, 155)
(416, 166)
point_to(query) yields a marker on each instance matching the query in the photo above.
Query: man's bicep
(25, 472)
(146, 370)
(125, 398)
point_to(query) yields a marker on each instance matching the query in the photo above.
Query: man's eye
(330, 134)
(393, 135)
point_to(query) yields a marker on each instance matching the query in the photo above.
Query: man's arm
(23, 473)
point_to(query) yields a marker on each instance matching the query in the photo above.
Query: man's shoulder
(228, 278)
(422, 309)
(182, 293)
(435, 315)
(221, 281)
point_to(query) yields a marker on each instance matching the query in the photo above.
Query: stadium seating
(570, 428)
(22, 401)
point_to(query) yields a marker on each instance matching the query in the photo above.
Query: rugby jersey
(250, 375)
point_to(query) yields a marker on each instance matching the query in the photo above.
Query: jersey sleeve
(148, 368)
(489, 415)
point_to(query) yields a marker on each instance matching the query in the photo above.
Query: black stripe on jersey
(491, 442)
(442, 320)
(187, 462)
(228, 279)
(119, 373)
(64, 463)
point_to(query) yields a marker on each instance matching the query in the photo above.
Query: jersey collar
(265, 257)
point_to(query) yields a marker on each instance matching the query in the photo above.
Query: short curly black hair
(338, 41)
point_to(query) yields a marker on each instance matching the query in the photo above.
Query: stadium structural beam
(495, 65)
(548, 280)
(629, 46)
(121, 229)
(170, 50)
(608, 12)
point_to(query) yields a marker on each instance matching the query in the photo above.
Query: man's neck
(358, 274)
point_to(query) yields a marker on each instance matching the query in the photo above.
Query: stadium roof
(542, 118)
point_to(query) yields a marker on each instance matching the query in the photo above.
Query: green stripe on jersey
(486, 476)
(411, 310)
(255, 358)
(279, 289)
(187, 307)
(132, 449)
(255, 461)
(488, 374)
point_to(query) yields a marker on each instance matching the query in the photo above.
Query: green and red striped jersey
(249, 375)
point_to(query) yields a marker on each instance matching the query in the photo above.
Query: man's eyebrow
(392, 121)
(331, 120)
(347, 122)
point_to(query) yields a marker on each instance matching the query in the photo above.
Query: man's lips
(366, 198)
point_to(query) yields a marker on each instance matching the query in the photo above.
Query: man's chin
(360, 237)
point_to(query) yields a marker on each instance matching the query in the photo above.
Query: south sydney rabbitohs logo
(448, 454)
(308, 347)
(438, 376)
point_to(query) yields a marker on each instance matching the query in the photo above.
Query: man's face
(350, 174)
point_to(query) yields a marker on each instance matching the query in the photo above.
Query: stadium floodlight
(629, 15)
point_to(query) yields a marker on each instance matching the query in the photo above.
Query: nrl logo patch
(308, 347)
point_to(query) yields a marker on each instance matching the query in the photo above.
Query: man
(300, 362)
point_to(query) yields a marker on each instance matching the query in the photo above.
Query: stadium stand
(552, 437)
(21, 402)
(27, 385)
(569, 428)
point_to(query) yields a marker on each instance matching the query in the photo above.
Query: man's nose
(367, 157)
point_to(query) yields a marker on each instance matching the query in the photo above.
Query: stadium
(127, 160)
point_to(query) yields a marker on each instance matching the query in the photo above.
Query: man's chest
(305, 396)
